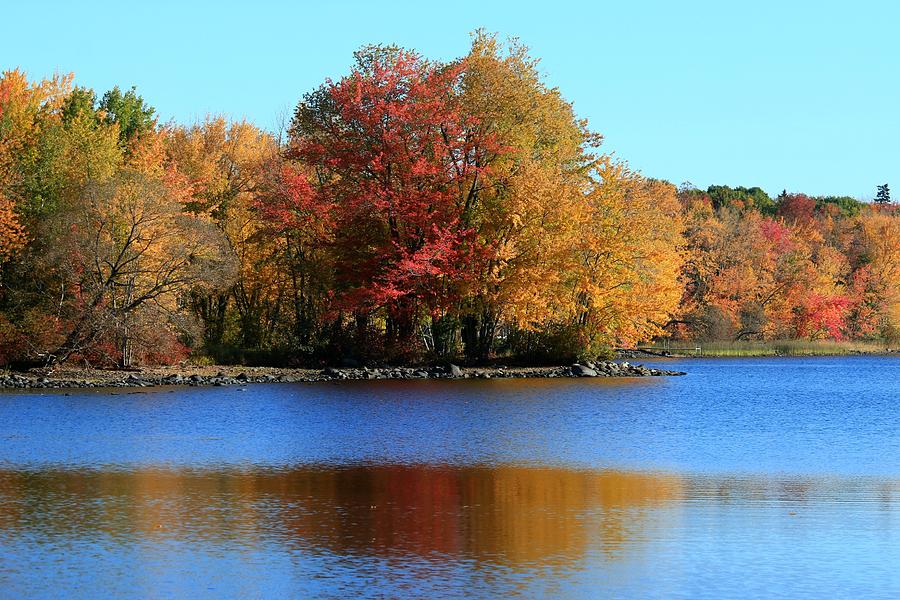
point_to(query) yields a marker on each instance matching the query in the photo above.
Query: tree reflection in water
(510, 514)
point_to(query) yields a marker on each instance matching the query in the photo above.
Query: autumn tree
(292, 214)
(27, 111)
(459, 196)
(107, 240)
(400, 167)
(416, 210)
(527, 212)
(629, 258)
(128, 246)
(739, 267)
(229, 165)
(12, 234)
(878, 237)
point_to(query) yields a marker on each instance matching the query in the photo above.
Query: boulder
(583, 371)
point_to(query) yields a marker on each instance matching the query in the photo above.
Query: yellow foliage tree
(527, 206)
(629, 258)
(12, 234)
(129, 246)
(880, 232)
(226, 164)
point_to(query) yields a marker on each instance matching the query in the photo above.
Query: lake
(747, 477)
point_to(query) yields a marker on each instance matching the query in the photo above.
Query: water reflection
(515, 515)
(423, 530)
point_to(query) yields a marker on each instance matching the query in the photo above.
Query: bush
(553, 344)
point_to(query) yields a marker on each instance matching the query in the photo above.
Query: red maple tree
(398, 167)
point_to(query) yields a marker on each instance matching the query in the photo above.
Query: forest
(411, 210)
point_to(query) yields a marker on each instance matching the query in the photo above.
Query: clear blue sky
(797, 95)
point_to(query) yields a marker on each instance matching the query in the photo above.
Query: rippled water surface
(757, 477)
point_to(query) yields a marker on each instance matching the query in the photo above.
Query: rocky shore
(66, 378)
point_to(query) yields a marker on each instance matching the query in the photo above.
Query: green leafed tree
(80, 103)
(754, 197)
(129, 110)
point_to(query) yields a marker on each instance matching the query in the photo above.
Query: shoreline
(759, 351)
(222, 375)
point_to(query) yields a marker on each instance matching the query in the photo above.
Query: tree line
(412, 210)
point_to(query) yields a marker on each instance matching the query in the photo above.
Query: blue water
(745, 478)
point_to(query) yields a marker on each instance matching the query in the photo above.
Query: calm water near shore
(748, 477)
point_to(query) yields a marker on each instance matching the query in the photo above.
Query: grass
(778, 348)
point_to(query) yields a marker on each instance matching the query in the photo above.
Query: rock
(583, 371)
(596, 368)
